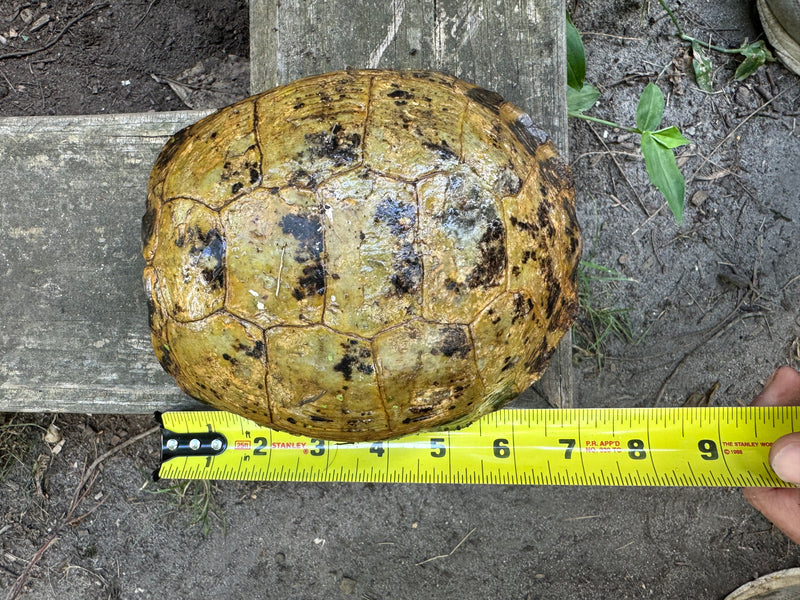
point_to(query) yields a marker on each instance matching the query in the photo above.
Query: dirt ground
(712, 300)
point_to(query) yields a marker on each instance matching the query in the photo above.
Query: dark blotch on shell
(312, 282)
(209, 252)
(530, 228)
(167, 362)
(442, 149)
(407, 264)
(486, 98)
(357, 356)
(148, 224)
(400, 94)
(171, 148)
(399, 217)
(530, 136)
(555, 173)
(255, 351)
(306, 230)
(454, 343)
(341, 148)
(489, 271)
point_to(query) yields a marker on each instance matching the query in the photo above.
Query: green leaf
(664, 173)
(755, 54)
(650, 109)
(583, 99)
(671, 137)
(576, 57)
(702, 67)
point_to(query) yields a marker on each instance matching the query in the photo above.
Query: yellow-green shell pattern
(360, 255)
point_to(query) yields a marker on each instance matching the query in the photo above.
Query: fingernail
(786, 463)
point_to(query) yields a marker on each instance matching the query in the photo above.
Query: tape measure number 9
(725, 446)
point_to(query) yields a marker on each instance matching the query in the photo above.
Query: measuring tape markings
(614, 446)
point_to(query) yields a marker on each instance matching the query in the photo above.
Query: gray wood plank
(515, 47)
(73, 331)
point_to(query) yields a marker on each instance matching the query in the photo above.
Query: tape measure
(724, 446)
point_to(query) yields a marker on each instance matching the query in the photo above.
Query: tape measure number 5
(724, 446)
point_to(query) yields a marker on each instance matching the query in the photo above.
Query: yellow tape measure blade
(722, 446)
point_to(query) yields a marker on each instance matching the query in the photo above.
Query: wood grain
(74, 335)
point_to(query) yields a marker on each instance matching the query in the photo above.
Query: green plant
(600, 321)
(198, 497)
(657, 145)
(755, 55)
(16, 444)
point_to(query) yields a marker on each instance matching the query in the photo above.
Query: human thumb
(784, 458)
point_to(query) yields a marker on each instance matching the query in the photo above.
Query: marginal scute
(504, 332)
(231, 160)
(428, 374)
(322, 383)
(191, 264)
(493, 151)
(312, 129)
(360, 255)
(413, 127)
(222, 361)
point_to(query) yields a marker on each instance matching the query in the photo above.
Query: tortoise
(360, 255)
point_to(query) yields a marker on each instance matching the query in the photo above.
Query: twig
(280, 272)
(55, 40)
(727, 137)
(147, 12)
(790, 282)
(85, 484)
(729, 321)
(608, 35)
(457, 546)
(628, 181)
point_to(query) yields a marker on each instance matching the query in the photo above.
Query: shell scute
(274, 258)
(323, 382)
(374, 275)
(427, 373)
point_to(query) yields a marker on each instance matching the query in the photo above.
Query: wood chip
(699, 197)
(40, 22)
(714, 176)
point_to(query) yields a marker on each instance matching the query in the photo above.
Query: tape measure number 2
(724, 446)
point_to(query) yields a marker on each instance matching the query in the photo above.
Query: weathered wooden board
(73, 330)
(515, 47)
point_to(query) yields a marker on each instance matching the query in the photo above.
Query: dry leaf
(53, 435)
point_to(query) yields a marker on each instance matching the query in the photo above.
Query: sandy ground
(714, 299)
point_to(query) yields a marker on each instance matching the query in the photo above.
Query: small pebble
(347, 585)
(40, 22)
(699, 197)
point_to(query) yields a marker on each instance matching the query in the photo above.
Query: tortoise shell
(360, 255)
